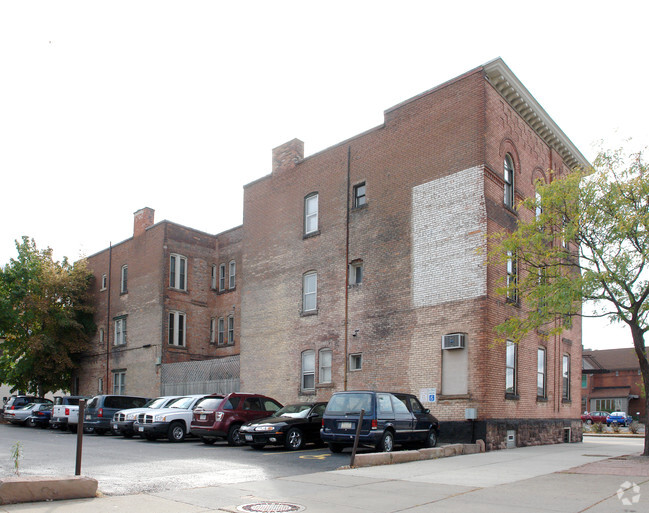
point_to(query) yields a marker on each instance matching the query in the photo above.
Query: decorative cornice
(521, 100)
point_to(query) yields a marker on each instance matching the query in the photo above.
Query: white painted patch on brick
(448, 227)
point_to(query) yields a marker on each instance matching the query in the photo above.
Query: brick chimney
(287, 155)
(143, 219)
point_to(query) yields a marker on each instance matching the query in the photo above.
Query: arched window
(509, 181)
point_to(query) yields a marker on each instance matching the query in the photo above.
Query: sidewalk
(551, 478)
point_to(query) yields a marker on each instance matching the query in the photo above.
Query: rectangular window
(119, 383)
(120, 331)
(101, 334)
(215, 276)
(309, 292)
(565, 375)
(355, 362)
(540, 373)
(124, 280)
(222, 277)
(178, 272)
(356, 273)
(308, 370)
(512, 277)
(584, 381)
(221, 335)
(177, 328)
(311, 214)
(359, 195)
(233, 273)
(104, 282)
(509, 181)
(324, 371)
(231, 329)
(510, 368)
(100, 386)
(212, 330)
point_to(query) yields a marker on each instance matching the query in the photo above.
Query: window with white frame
(233, 274)
(104, 282)
(541, 389)
(178, 272)
(215, 276)
(512, 277)
(212, 330)
(355, 362)
(221, 333)
(359, 195)
(119, 382)
(222, 277)
(231, 329)
(124, 280)
(565, 375)
(324, 365)
(311, 213)
(509, 181)
(309, 292)
(308, 370)
(100, 386)
(510, 368)
(356, 272)
(120, 331)
(177, 328)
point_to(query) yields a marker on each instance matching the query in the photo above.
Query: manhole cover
(270, 507)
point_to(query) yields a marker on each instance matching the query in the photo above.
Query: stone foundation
(531, 432)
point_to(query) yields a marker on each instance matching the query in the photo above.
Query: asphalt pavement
(602, 474)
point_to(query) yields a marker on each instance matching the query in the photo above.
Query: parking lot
(128, 466)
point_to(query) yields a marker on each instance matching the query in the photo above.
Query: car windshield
(182, 403)
(296, 411)
(158, 402)
(349, 403)
(28, 406)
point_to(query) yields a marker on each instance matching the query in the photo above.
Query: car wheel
(431, 438)
(387, 442)
(336, 448)
(258, 446)
(176, 432)
(208, 441)
(294, 440)
(234, 438)
(30, 422)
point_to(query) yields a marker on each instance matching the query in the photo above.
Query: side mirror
(427, 410)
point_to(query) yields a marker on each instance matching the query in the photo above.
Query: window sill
(354, 285)
(174, 346)
(510, 210)
(224, 291)
(324, 385)
(184, 291)
(540, 399)
(453, 397)
(567, 341)
(512, 397)
(311, 234)
(566, 401)
(308, 313)
(307, 392)
(123, 293)
(513, 302)
(218, 346)
(359, 207)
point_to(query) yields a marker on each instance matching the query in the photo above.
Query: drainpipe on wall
(110, 259)
(349, 153)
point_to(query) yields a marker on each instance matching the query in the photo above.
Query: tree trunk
(641, 352)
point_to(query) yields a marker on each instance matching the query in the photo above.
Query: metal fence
(219, 376)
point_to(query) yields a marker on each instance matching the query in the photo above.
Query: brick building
(167, 312)
(365, 264)
(611, 381)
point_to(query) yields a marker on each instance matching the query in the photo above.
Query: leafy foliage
(46, 319)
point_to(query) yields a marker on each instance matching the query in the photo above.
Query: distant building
(611, 381)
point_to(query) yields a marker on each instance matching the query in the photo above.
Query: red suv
(216, 416)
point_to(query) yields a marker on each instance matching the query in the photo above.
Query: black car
(292, 426)
(388, 419)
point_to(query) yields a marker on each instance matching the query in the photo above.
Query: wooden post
(82, 411)
(358, 434)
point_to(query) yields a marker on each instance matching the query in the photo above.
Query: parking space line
(291, 452)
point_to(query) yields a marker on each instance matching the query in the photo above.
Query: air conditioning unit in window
(453, 341)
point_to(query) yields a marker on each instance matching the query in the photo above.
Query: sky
(108, 107)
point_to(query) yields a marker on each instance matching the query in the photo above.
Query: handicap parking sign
(428, 395)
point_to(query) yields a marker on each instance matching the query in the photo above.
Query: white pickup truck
(65, 413)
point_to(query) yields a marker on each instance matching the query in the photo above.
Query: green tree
(46, 319)
(583, 238)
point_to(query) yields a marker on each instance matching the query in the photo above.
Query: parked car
(594, 417)
(40, 416)
(101, 408)
(619, 418)
(171, 423)
(218, 417)
(65, 414)
(21, 415)
(123, 420)
(18, 401)
(292, 426)
(389, 419)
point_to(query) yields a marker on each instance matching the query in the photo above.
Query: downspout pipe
(110, 266)
(346, 323)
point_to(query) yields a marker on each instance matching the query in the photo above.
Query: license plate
(346, 425)
(87, 417)
(114, 426)
(203, 416)
(140, 429)
(248, 438)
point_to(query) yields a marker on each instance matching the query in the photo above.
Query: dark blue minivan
(389, 419)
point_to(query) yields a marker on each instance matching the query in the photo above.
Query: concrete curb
(18, 489)
(373, 459)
